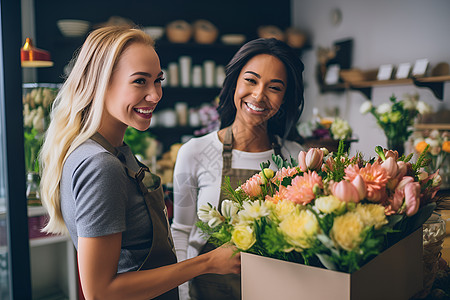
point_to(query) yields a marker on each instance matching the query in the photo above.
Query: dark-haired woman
(260, 104)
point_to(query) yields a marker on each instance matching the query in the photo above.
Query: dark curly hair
(284, 121)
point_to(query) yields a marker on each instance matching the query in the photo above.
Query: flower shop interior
(376, 74)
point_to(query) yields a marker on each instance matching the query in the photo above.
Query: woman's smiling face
(260, 90)
(134, 89)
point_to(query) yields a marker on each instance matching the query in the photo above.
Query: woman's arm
(185, 193)
(98, 258)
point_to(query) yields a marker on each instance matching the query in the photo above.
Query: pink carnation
(252, 186)
(375, 178)
(301, 189)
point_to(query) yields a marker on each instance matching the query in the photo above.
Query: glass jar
(33, 194)
(433, 237)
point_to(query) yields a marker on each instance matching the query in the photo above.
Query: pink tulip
(302, 161)
(402, 169)
(312, 160)
(390, 165)
(405, 180)
(345, 191)
(396, 201)
(360, 186)
(412, 198)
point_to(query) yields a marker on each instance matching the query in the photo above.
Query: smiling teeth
(144, 111)
(255, 108)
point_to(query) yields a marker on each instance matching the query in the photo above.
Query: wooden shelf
(435, 84)
(431, 126)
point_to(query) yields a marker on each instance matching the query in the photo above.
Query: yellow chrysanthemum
(284, 208)
(300, 229)
(372, 215)
(346, 231)
(328, 204)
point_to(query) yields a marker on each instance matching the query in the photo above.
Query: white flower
(423, 108)
(432, 142)
(435, 134)
(38, 120)
(229, 209)
(365, 107)
(340, 129)
(384, 108)
(253, 210)
(210, 215)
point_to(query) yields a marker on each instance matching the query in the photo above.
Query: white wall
(383, 32)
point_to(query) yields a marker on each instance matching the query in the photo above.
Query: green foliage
(281, 163)
(396, 123)
(32, 145)
(138, 141)
(341, 162)
(237, 196)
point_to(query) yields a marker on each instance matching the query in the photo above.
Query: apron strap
(139, 175)
(97, 137)
(275, 145)
(227, 148)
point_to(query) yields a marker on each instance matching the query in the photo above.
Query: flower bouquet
(439, 147)
(396, 118)
(328, 210)
(326, 132)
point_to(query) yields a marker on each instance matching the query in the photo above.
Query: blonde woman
(93, 186)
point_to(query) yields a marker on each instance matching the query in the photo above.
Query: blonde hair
(78, 107)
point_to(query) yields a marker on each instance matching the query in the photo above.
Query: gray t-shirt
(98, 198)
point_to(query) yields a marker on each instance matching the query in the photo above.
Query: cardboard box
(397, 273)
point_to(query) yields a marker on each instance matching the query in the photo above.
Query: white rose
(423, 108)
(365, 107)
(384, 108)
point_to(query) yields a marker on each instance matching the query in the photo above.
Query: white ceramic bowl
(233, 39)
(73, 28)
(155, 32)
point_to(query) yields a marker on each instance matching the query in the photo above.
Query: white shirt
(197, 181)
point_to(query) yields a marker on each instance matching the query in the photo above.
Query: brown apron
(214, 286)
(162, 251)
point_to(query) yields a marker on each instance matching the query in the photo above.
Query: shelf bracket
(436, 87)
(366, 91)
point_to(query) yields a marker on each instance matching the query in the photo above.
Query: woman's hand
(225, 260)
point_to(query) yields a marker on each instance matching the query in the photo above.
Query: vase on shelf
(33, 195)
(397, 144)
